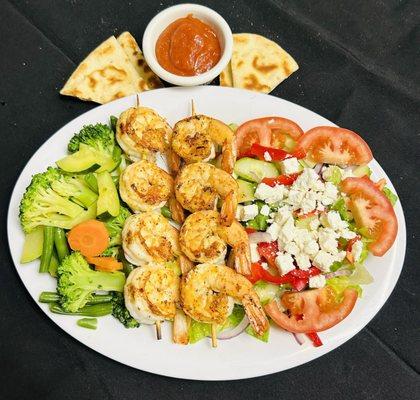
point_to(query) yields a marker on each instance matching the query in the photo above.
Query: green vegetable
(113, 122)
(264, 337)
(52, 268)
(365, 251)
(392, 197)
(108, 200)
(77, 282)
(95, 310)
(114, 225)
(340, 206)
(91, 181)
(127, 266)
(362, 170)
(234, 127)
(54, 199)
(54, 297)
(120, 312)
(111, 252)
(60, 242)
(93, 145)
(246, 191)
(260, 222)
(89, 323)
(304, 223)
(234, 318)
(334, 176)
(47, 248)
(267, 291)
(254, 170)
(166, 212)
(32, 248)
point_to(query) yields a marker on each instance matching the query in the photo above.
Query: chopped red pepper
(268, 251)
(314, 338)
(281, 180)
(349, 247)
(250, 230)
(275, 154)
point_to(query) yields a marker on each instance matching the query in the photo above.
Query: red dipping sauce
(188, 47)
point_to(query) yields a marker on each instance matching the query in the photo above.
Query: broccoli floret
(114, 225)
(101, 140)
(54, 199)
(77, 282)
(121, 313)
(111, 252)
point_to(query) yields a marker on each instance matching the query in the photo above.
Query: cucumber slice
(246, 191)
(303, 223)
(32, 248)
(306, 163)
(79, 161)
(362, 170)
(255, 170)
(267, 291)
(108, 200)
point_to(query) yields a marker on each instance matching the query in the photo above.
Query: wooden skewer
(137, 100)
(158, 330)
(192, 108)
(213, 335)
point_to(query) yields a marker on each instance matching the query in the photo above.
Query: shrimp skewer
(198, 186)
(204, 240)
(146, 187)
(196, 137)
(208, 291)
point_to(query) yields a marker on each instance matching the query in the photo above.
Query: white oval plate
(243, 356)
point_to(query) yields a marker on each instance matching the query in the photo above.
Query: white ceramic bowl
(169, 15)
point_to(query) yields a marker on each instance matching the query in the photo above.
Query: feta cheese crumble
(267, 156)
(290, 166)
(270, 194)
(255, 256)
(317, 281)
(356, 250)
(284, 263)
(265, 210)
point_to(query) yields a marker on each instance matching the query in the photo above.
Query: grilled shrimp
(142, 133)
(151, 293)
(206, 293)
(198, 187)
(195, 139)
(149, 237)
(204, 240)
(146, 187)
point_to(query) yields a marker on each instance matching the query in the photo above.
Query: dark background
(359, 67)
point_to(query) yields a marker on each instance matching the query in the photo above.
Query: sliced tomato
(311, 310)
(373, 211)
(332, 145)
(268, 131)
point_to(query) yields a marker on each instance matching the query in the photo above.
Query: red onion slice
(318, 168)
(340, 272)
(258, 237)
(300, 338)
(238, 329)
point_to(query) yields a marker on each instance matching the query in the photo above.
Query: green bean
(54, 263)
(47, 248)
(95, 310)
(54, 297)
(89, 323)
(60, 241)
(166, 212)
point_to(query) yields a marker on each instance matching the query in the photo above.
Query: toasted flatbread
(258, 63)
(135, 56)
(104, 75)
(225, 77)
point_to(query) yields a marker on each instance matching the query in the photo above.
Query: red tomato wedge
(332, 145)
(311, 310)
(372, 209)
(268, 131)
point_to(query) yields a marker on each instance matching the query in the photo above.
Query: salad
(248, 224)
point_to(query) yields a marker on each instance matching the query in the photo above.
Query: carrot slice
(91, 238)
(108, 264)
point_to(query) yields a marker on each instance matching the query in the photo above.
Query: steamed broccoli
(77, 282)
(114, 225)
(54, 199)
(121, 313)
(100, 140)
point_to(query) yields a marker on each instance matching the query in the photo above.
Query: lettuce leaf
(340, 206)
(334, 175)
(392, 197)
(264, 338)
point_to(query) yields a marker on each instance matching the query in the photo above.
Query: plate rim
(267, 369)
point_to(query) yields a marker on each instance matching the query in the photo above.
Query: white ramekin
(164, 18)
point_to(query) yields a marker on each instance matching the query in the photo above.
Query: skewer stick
(137, 100)
(192, 108)
(158, 330)
(213, 335)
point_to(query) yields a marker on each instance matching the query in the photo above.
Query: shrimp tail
(185, 264)
(242, 258)
(228, 157)
(255, 313)
(174, 162)
(181, 328)
(176, 210)
(228, 210)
